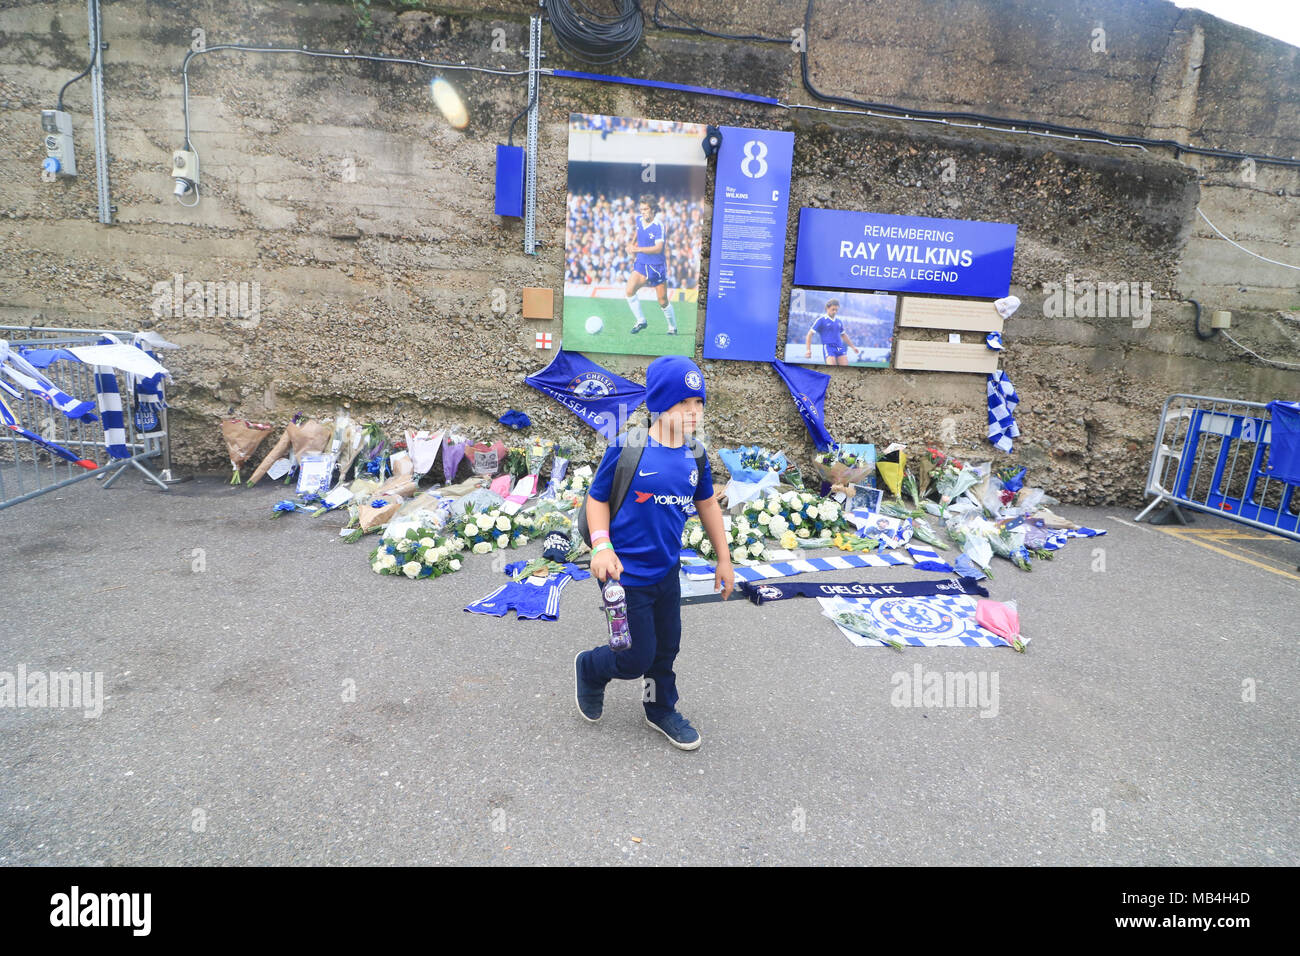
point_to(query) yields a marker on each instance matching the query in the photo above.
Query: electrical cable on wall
(1285, 265)
(695, 28)
(980, 120)
(1227, 335)
(596, 37)
(94, 55)
(1196, 324)
(510, 136)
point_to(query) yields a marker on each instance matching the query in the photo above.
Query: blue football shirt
(648, 235)
(647, 531)
(830, 330)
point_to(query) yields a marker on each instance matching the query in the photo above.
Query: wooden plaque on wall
(924, 312)
(945, 357)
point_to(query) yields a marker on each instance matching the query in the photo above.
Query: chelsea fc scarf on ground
(762, 593)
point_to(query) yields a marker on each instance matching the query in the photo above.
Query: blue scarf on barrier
(30, 377)
(10, 421)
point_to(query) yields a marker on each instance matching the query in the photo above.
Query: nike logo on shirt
(647, 474)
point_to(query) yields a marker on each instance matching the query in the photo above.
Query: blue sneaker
(590, 696)
(677, 729)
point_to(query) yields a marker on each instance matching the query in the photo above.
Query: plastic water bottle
(614, 601)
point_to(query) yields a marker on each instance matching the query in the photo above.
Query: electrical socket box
(185, 170)
(1221, 320)
(60, 159)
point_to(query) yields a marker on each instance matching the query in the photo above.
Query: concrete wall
(368, 223)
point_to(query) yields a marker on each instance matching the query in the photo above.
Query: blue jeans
(654, 616)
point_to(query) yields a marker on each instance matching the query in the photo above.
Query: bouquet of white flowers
(416, 554)
(800, 514)
(493, 530)
(746, 541)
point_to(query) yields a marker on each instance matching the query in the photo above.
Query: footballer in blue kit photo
(634, 235)
(842, 328)
(835, 341)
(651, 266)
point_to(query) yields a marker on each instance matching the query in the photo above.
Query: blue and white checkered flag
(1002, 404)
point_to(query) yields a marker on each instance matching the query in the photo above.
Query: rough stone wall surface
(367, 222)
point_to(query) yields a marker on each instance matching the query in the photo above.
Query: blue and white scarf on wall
(1002, 405)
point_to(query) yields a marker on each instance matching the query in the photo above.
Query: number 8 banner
(751, 202)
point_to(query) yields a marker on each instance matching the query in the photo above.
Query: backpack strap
(629, 458)
(634, 445)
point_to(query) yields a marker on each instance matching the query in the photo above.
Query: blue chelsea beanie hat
(669, 379)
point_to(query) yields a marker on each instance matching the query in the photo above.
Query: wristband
(603, 546)
(597, 535)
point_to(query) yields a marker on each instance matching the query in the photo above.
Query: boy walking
(641, 548)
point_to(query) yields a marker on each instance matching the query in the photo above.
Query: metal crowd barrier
(27, 470)
(1211, 454)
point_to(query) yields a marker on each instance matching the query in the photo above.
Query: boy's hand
(605, 564)
(724, 579)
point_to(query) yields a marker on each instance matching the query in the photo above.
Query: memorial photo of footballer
(633, 235)
(840, 328)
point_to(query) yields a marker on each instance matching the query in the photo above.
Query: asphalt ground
(1153, 719)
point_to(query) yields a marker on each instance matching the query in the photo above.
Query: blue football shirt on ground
(647, 531)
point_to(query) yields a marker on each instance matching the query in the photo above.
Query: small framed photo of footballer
(829, 327)
(864, 498)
